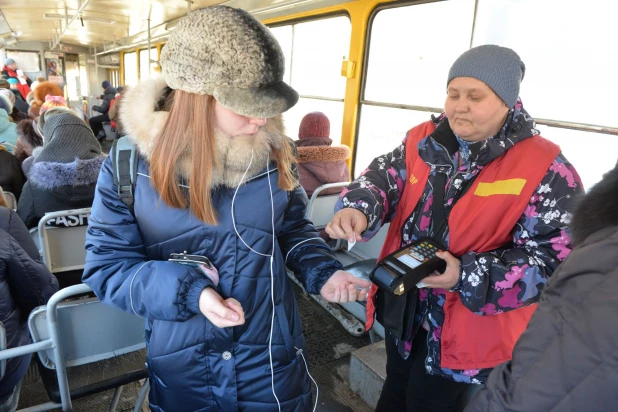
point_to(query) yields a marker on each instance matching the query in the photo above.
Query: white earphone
(272, 279)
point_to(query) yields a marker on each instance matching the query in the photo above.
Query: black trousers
(96, 123)
(408, 387)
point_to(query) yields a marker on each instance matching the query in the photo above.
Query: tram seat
(84, 347)
(321, 209)
(10, 200)
(63, 248)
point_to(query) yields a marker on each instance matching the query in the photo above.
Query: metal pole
(96, 68)
(149, 65)
(69, 22)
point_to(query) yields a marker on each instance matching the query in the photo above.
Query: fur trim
(51, 175)
(323, 153)
(598, 209)
(143, 124)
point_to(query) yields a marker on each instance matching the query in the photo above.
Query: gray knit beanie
(67, 137)
(500, 68)
(227, 53)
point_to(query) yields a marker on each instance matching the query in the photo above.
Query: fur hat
(67, 137)
(8, 93)
(4, 84)
(27, 141)
(227, 53)
(314, 124)
(5, 103)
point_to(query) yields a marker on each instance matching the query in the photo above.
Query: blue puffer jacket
(25, 283)
(195, 366)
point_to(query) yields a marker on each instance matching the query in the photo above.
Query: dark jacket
(20, 104)
(320, 163)
(11, 177)
(108, 96)
(566, 359)
(58, 186)
(25, 283)
(195, 366)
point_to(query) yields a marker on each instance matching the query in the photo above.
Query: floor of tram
(328, 344)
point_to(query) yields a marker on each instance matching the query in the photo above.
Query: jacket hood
(5, 122)
(143, 122)
(52, 175)
(598, 209)
(322, 153)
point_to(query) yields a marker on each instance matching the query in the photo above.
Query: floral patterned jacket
(492, 282)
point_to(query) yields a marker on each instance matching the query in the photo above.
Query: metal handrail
(584, 127)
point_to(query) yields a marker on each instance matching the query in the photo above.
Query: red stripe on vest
(480, 224)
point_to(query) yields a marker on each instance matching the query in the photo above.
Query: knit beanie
(227, 53)
(105, 84)
(5, 103)
(9, 61)
(52, 101)
(67, 137)
(314, 124)
(500, 68)
(53, 111)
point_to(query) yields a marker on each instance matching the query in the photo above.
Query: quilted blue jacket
(195, 366)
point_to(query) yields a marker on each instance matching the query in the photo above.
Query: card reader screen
(408, 258)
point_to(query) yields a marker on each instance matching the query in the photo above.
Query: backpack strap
(124, 165)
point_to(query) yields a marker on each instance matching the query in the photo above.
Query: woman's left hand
(449, 278)
(341, 288)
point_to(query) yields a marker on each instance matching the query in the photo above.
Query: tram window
(412, 49)
(283, 34)
(592, 154)
(334, 111)
(144, 73)
(130, 69)
(381, 130)
(570, 63)
(313, 52)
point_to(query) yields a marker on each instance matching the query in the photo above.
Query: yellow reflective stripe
(500, 187)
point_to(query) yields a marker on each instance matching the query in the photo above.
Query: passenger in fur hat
(64, 174)
(320, 163)
(214, 179)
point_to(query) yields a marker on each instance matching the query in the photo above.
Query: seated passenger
(320, 163)
(480, 181)
(114, 112)
(96, 122)
(16, 114)
(566, 358)
(25, 283)
(8, 129)
(42, 90)
(64, 174)
(28, 140)
(11, 177)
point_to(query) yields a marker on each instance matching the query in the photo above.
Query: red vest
(24, 89)
(481, 221)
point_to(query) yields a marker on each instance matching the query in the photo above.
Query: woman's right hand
(347, 224)
(223, 313)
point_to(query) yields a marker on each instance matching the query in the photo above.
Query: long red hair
(190, 131)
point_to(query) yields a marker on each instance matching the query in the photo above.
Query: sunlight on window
(381, 130)
(130, 69)
(412, 49)
(318, 50)
(333, 110)
(570, 64)
(144, 73)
